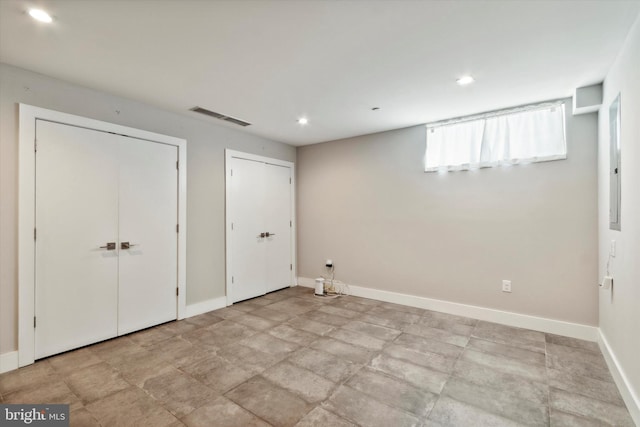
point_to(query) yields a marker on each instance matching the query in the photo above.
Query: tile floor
(290, 358)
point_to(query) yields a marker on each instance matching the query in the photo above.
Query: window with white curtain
(534, 133)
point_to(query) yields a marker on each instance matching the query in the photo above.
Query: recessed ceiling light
(303, 120)
(465, 80)
(40, 15)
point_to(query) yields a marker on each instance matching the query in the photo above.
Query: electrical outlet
(506, 286)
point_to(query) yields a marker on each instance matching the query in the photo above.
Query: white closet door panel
(247, 248)
(277, 214)
(76, 213)
(148, 216)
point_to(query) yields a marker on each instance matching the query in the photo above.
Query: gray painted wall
(620, 309)
(367, 204)
(206, 142)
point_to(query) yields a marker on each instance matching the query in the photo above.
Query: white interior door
(277, 214)
(248, 263)
(260, 203)
(76, 216)
(106, 247)
(148, 213)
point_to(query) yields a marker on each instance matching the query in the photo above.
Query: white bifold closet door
(95, 192)
(260, 203)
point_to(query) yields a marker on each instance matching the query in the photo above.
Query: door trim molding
(230, 154)
(28, 115)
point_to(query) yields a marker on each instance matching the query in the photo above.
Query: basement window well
(533, 133)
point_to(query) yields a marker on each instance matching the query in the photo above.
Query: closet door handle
(262, 235)
(111, 246)
(127, 245)
(267, 234)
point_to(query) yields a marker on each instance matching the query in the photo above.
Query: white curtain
(531, 135)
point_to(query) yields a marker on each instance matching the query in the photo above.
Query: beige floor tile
(484, 376)
(589, 387)
(311, 387)
(572, 342)
(309, 325)
(203, 320)
(82, 418)
(222, 412)
(217, 373)
(516, 337)
(290, 334)
(393, 392)
(591, 409)
(68, 362)
(505, 364)
(498, 401)
(117, 350)
(326, 318)
(578, 362)
(380, 332)
(419, 376)
(95, 382)
(27, 377)
(179, 352)
(520, 354)
(274, 315)
(220, 334)
(428, 360)
(358, 338)
(320, 417)
(269, 344)
(178, 392)
(344, 350)
(273, 404)
(428, 345)
(367, 411)
(326, 365)
(450, 413)
(149, 336)
(48, 392)
(437, 334)
(130, 407)
(562, 419)
(249, 359)
(255, 322)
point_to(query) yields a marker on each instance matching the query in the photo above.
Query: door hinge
(35, 145)
(34, 321)
(177, 291)
(177, 228)
(231, 172)
(34, 234)
(290, 224)
(291, 267)
(231, 279)
(289, 180)
(177, 165)
(232, 226)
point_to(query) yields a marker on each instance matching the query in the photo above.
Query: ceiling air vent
(220, 116)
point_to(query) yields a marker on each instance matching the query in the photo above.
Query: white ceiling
(270, 62)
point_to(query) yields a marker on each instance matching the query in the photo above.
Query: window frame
(492, 114)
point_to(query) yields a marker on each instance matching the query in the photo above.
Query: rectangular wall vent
(220, 116)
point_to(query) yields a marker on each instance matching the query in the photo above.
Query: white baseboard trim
(630, 397)
(542, 324)
(205, 306)
(8, 361)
